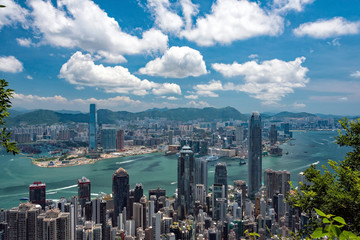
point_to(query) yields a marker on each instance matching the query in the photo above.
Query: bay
(154, 170)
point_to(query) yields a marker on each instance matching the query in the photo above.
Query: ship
(212, 158)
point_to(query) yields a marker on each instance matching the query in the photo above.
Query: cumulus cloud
(58, 102)
(13, 13)
(253, 56)
(298, 105)
(268, 81)
(208, 89)
(189, 10)
(322, 28)
(81, 70)
(10, 64)
(355, 74)
(232, 20)
(84, 25)
(25, 42)
(177, 62)
(191, 96)
(165, 18)
(290, 5)
(198, 104)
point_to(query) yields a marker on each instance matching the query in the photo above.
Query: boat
(212, 158)
(24, 199)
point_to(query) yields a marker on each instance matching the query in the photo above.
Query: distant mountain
(109, 117)
(293, 115)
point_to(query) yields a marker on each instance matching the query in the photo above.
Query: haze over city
(295, 55)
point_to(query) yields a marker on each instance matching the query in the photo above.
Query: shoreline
(80, 160)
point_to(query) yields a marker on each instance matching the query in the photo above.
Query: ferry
(212, 158)
(24, 199)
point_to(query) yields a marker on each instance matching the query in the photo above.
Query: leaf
(339, 220)
(318, 233)
(320, 213)
(325, 220)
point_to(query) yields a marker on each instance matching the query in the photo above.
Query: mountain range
(109, 117)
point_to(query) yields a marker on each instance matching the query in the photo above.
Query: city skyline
(271, 56)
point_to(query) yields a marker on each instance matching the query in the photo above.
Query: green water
(153, 170)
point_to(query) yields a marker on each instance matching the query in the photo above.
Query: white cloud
(268, 81)
(12, 14)
(177, 62)
(355, 74)
(253, 56)
(208, 89)
(81, 70)
(167, 88)
(172, 98)
(25, 42)
(189, 10)
(84, 25)
(298, 105)
(232, 20)
(198, 104)
(29, 77)
(289, 5)
(191, 96)
(10, 64)
(335, 42)
(331, 98)
(322, 28)
(165, 19)
(58, 102)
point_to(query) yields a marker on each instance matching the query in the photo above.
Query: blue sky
(294, 55)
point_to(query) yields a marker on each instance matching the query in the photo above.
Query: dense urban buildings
(254, 154)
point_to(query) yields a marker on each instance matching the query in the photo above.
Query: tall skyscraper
(239, 135)
(120, 191)
(220, 176)
(84, 191)
(92, 128)
(186, 182)
(254, 154)
(108, 139)
(120, 139)
(37, 193)
(273, 134)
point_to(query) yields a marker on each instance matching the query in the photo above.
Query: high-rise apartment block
(273, 134)
(120, 141)
(276, 182)
(254, 154)
(108, 139)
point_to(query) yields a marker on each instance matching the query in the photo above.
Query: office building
(120, 191)
(108, 139)
(37, 193)
(120, 139)
(92, 128)
(273, 134)
(239, 135)
(84, 191)
(254, 154)
(220, 176)
(186, 182)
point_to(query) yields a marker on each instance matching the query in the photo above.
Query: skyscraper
(84, 191)
(37, 193)
(220, 176)
(120, 191)
(254, 154)
(120, 139)
(273, 134)
(92, 127)
(186, 182)
(108, 139)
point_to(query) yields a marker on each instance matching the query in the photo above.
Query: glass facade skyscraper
(254, 154)
(120, 191)
(92, 127)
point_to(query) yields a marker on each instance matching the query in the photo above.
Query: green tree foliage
(335, 191)
(5, 103)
